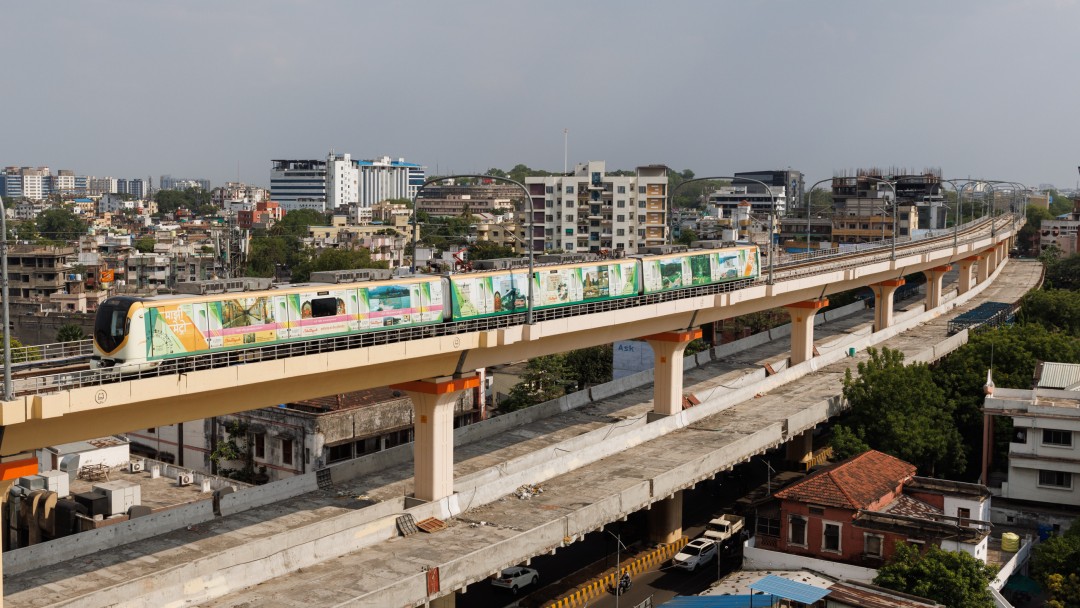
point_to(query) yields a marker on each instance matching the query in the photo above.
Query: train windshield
(110, 324)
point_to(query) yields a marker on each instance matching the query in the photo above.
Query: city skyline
(978, 89)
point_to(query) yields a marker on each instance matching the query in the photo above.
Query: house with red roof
(859, 510)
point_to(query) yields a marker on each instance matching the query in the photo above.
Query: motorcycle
(622, 586)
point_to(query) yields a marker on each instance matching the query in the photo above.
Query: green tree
(489, 250)
(543, 380)
(1063, 273)
(59, 225)
(1027, 238)
(1054, 309)
(687, 237)
(953, 578)
(235, 450)
(589, 366)
(19, 354)
(1055, 563)
(193, 199)
(334, 259)
(296, 223)
(145, 244)
(70, 332)
(899, 410)
(845, 443)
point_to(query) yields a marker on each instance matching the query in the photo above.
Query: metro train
(137, 333)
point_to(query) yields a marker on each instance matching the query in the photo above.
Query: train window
(324, 307)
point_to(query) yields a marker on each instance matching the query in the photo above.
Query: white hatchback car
(696, 553)
(515, 578)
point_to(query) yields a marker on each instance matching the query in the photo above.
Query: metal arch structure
(810, 199)
(528, 202)
(772, 216)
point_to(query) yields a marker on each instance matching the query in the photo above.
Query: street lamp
(618, 563)
(772, 215)
(895, 223)
(528, 201)
(810, 199)
(8, 393)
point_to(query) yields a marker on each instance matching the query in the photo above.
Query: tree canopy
(60, 225)
(953, 578)
(334, 259)
(489, 250)
(194, 199)
(552, 376)
(1063, 273)
(899, 410)
(1055, 563)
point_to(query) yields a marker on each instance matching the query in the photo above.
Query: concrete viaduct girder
(35, 421)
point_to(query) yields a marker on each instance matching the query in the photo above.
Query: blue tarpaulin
(789, 589)
(721, 601)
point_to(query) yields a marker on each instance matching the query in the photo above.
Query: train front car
(118, 339)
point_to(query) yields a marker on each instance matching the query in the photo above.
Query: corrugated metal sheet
(721, 601)
(852, 595)
(1062, 376)
(790, 590)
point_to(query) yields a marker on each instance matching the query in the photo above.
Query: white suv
(515, 578)
(696, 553)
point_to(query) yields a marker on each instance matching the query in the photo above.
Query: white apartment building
(592, 211)
(1044, 453)
(340, 181)
(383, 179)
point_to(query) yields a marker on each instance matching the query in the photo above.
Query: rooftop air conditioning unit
(184, 479)
(136, 466)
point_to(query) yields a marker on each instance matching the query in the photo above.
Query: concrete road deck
(357, 578)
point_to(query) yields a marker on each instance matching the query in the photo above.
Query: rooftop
(853, 484)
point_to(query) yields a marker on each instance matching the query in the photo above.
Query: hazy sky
(981, 88)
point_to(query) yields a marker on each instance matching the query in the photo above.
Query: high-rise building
(137, 187)
(339, 181)
(169, 182)
(592, 211)
(299, 184)
(383, 179)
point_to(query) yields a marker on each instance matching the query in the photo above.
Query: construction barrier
(600, 585)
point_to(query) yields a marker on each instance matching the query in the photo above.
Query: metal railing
(797, 269)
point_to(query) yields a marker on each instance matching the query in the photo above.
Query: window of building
(620, 232)
(620, 218)
(769, 526)
(549, 189)
(1055, 479)
(641, 189)
(641, 233)
(549, 218)
(872, 545)
(569, 189)
(830, 538)
(338, 453)
(257, 441)
(286, 451)
(641, 204)
(569, 217)
(1019, 435)
(569, 204)
(549, 203)
(622, 189)
(964, 515)
(797, 530)
(1056, 437)
(620, 204)
(641, 219)
(817, 510)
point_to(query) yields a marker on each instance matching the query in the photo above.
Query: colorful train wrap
(137, 333)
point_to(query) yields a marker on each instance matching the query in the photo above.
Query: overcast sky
(211, 89)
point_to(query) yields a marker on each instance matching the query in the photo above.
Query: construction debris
(529, 490)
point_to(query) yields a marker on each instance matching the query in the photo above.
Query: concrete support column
(802, 328)
(433, 420)
(665, 519)
(883, 302)
(983, 269)
(800, 448)
(11, 469)
(933, 285)
(991, 260)
(668, 349)
(446, 601)
(967, 276)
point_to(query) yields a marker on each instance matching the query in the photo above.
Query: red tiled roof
(852, 484)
